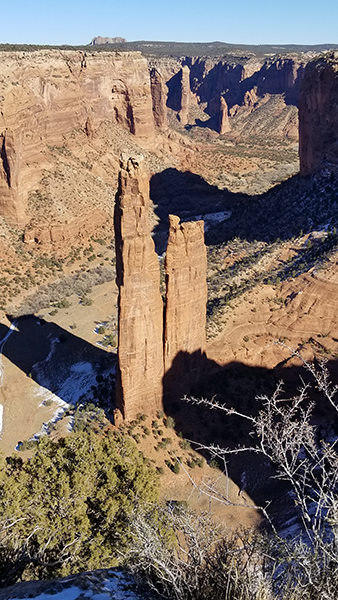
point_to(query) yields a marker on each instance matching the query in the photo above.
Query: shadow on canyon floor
(54, 358)
(57, 360)
(289, 208)
(238, 385)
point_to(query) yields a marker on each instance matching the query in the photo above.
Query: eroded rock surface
(159, 96)
(46, 95)
(185, 95)
(184, 338)
(140, 349)
(77, 229)
(223, 124)
(318, 114)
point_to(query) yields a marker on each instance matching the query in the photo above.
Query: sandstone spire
(184, 338)
(159, 94)
(140, 350)
(185, 94)
(224, 125)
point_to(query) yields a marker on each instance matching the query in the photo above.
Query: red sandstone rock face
(224, 124)
(318, 114)
(184, 338)
(45, 95)
(185, 95)
(159, 96)
(80, 228)
(140, 350)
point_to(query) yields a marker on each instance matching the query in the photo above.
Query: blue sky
(247, 21)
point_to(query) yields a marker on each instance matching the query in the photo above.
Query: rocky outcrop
(185, 95)
(10, 154)
(159, 97)
(77, 229)
(318, 114)
(223, 123)
(140, 306)
(186, 297)
(48, 94)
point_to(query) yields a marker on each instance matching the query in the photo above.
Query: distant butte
(100, 41)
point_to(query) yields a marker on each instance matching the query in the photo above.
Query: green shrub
(185, 445)
(170, 422)
(176, 468)
(84, 487)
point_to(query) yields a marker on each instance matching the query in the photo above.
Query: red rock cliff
(140, 349)
(318, 114)
(185, 321)
(45, 95)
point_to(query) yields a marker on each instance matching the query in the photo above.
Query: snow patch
(211, 219)
(73, 387)
(116, 586)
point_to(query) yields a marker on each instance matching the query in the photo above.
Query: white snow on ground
(212, 218)
(2, 343)
(103, 324)
(80, 380)
(115, 586)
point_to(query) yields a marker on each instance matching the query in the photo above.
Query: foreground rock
(140, 350)
(100, 584)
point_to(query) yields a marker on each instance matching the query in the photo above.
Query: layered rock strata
(186, 298)
(77, 229)
(159, 97)
(318, 114)
(153, 361)
(140, 306)
(46, 95)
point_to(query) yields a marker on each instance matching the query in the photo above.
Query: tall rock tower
(140, 326)
(185, 95)
(184, 336)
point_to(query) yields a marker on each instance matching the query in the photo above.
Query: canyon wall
(45, 95)
(140, 306)
(245, 83)
(318, 114)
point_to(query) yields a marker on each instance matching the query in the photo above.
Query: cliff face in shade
(10, 151)
(140, 325)
(185, 321)
(47, 94)
(318, 114)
